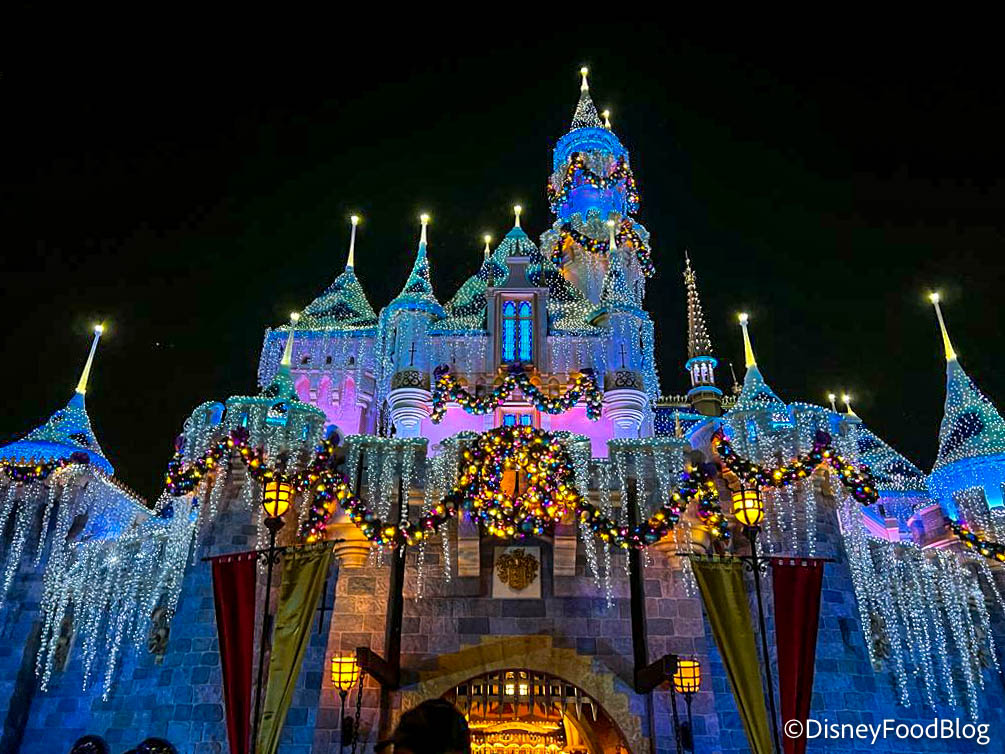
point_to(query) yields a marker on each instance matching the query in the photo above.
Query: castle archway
(618, 728)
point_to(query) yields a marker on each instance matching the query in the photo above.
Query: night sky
(190, 196)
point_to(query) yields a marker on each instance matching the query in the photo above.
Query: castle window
(518, 420)
(517, 332)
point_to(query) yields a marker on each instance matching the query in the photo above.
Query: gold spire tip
(584, 87)
(743, 317)
(933, 296)
(294, 317)
(99, 328)
(517, 209)
(354, 219)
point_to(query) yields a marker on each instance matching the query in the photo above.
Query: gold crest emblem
(517, 569)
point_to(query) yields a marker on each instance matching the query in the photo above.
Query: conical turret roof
(66, 433)
(971, 426)
(343, 305)
(418, 291)
(698, 341)
(586, 115)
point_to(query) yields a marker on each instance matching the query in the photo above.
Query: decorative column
(410, 401)
(625, 402)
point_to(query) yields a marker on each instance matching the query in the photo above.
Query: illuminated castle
(534, 622)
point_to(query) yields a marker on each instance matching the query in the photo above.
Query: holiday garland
(577, 174)
(858, 480)
(447, 388)
(24, 472)
(625, 236)
(990, 550)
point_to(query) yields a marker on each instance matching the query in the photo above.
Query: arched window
(517, 332)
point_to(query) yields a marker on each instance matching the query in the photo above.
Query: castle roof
(342, 306)
(756, 395)
(586, 115)
(698, 341)
(417, 294)
(891, 470)
(971, 425)
(67, 432)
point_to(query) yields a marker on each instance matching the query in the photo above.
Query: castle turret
(68, 432)
(756, 398)
(971, 457)
(404, 350)
(704, 396)
(592, 183)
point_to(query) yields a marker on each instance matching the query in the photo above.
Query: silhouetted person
(433, 727)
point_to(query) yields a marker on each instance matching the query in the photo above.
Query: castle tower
(592, 183)
(756, 397)
(68, 431)
(971, 460)
(404, 350)
(704, 396)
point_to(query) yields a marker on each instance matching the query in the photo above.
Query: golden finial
(354, 219)
(424, 220)
(846, 399)
(748, 349)
(832, 398)
(607, 119)
(584, 87)
(950, 352)
(86, 374)
(487, 239)
(287, 359)
(517, 209)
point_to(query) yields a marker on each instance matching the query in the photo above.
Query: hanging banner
(304, 571)
(724, 595)
(797, 583)
(234, 598)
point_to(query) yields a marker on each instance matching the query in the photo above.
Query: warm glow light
(934, 297)
(424, 218)
(610, 223)
(487, 238)
(687, 677)
(743, 317)
(846, 398)
(294, 317)
(583, 71)
(748, 506)
(354, 219)
(345, 672)
(276, 497)
(831, 397)
(98, 329)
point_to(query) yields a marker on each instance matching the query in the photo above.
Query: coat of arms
(517, 569)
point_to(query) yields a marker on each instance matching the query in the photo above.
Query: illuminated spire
(748, 350)
(698, 342)
(488, 250)
(517, 210)
(586, 112)
(846, 400)
(832, 397)
(287, 359)
(85, 375)
(424, 221)
(350, 262)
(607, 119)
(950, 353)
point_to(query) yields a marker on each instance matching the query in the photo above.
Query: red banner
(796, 583)
(234, 595)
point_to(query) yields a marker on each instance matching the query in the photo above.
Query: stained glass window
(517, 332)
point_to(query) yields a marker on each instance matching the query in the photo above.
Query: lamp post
(345, 675)
(276, 496)
(687, 681)
(748, 507)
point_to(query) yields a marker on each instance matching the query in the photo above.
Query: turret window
(517, 332)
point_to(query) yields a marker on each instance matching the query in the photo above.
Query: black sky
(190, 195)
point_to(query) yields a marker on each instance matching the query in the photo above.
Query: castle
(534, 622)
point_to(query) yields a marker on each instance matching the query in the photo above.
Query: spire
(950, 353)
(616, 290)
(517, 210)
(424, 222)
(586, 112)
(351, 261)
(287, 359)
(85, 375)
(67, 433)
(698, 342)
(832, 397)
(607, 119)
(488, 250)
(748, 350)
(418, 294)
(846, 400)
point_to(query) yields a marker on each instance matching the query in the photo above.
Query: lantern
(687, 677)
(345, 673)
(276, 496)
(748, 507)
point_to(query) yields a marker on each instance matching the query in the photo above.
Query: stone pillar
(354, 549)
(625, 402)
(410, 402)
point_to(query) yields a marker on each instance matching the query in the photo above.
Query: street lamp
(345, 675)
(277, 493)
(748, 508)
(687, 681)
